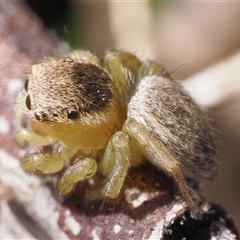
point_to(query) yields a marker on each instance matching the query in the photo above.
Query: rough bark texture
(147, 207)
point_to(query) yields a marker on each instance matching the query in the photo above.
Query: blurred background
(198, 42)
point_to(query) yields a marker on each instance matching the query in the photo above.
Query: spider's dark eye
(26, 85)
(72, 114)
(37, 116)
(28, 102)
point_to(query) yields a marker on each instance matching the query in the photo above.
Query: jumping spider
(129, 108)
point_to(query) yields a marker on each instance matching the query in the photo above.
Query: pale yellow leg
(81, 169)
(47, 162)
(24, 135)
(115, 163)
(159, 156)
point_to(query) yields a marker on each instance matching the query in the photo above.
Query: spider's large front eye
(28, 102)
(72, 114)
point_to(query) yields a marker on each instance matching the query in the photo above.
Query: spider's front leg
(43, 162)
(47, 163)
(81, 169)
(24, 135)
(115, 163)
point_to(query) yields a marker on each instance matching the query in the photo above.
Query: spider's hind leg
(160, 157)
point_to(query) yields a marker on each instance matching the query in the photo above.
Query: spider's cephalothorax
(125, 107)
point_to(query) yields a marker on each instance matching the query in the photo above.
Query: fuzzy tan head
(63, 89)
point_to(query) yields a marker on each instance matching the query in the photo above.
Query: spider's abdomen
(172, 117)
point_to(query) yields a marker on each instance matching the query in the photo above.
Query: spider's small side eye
(28, 102)
(37, 116)
(26, 85)
(72, 114)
